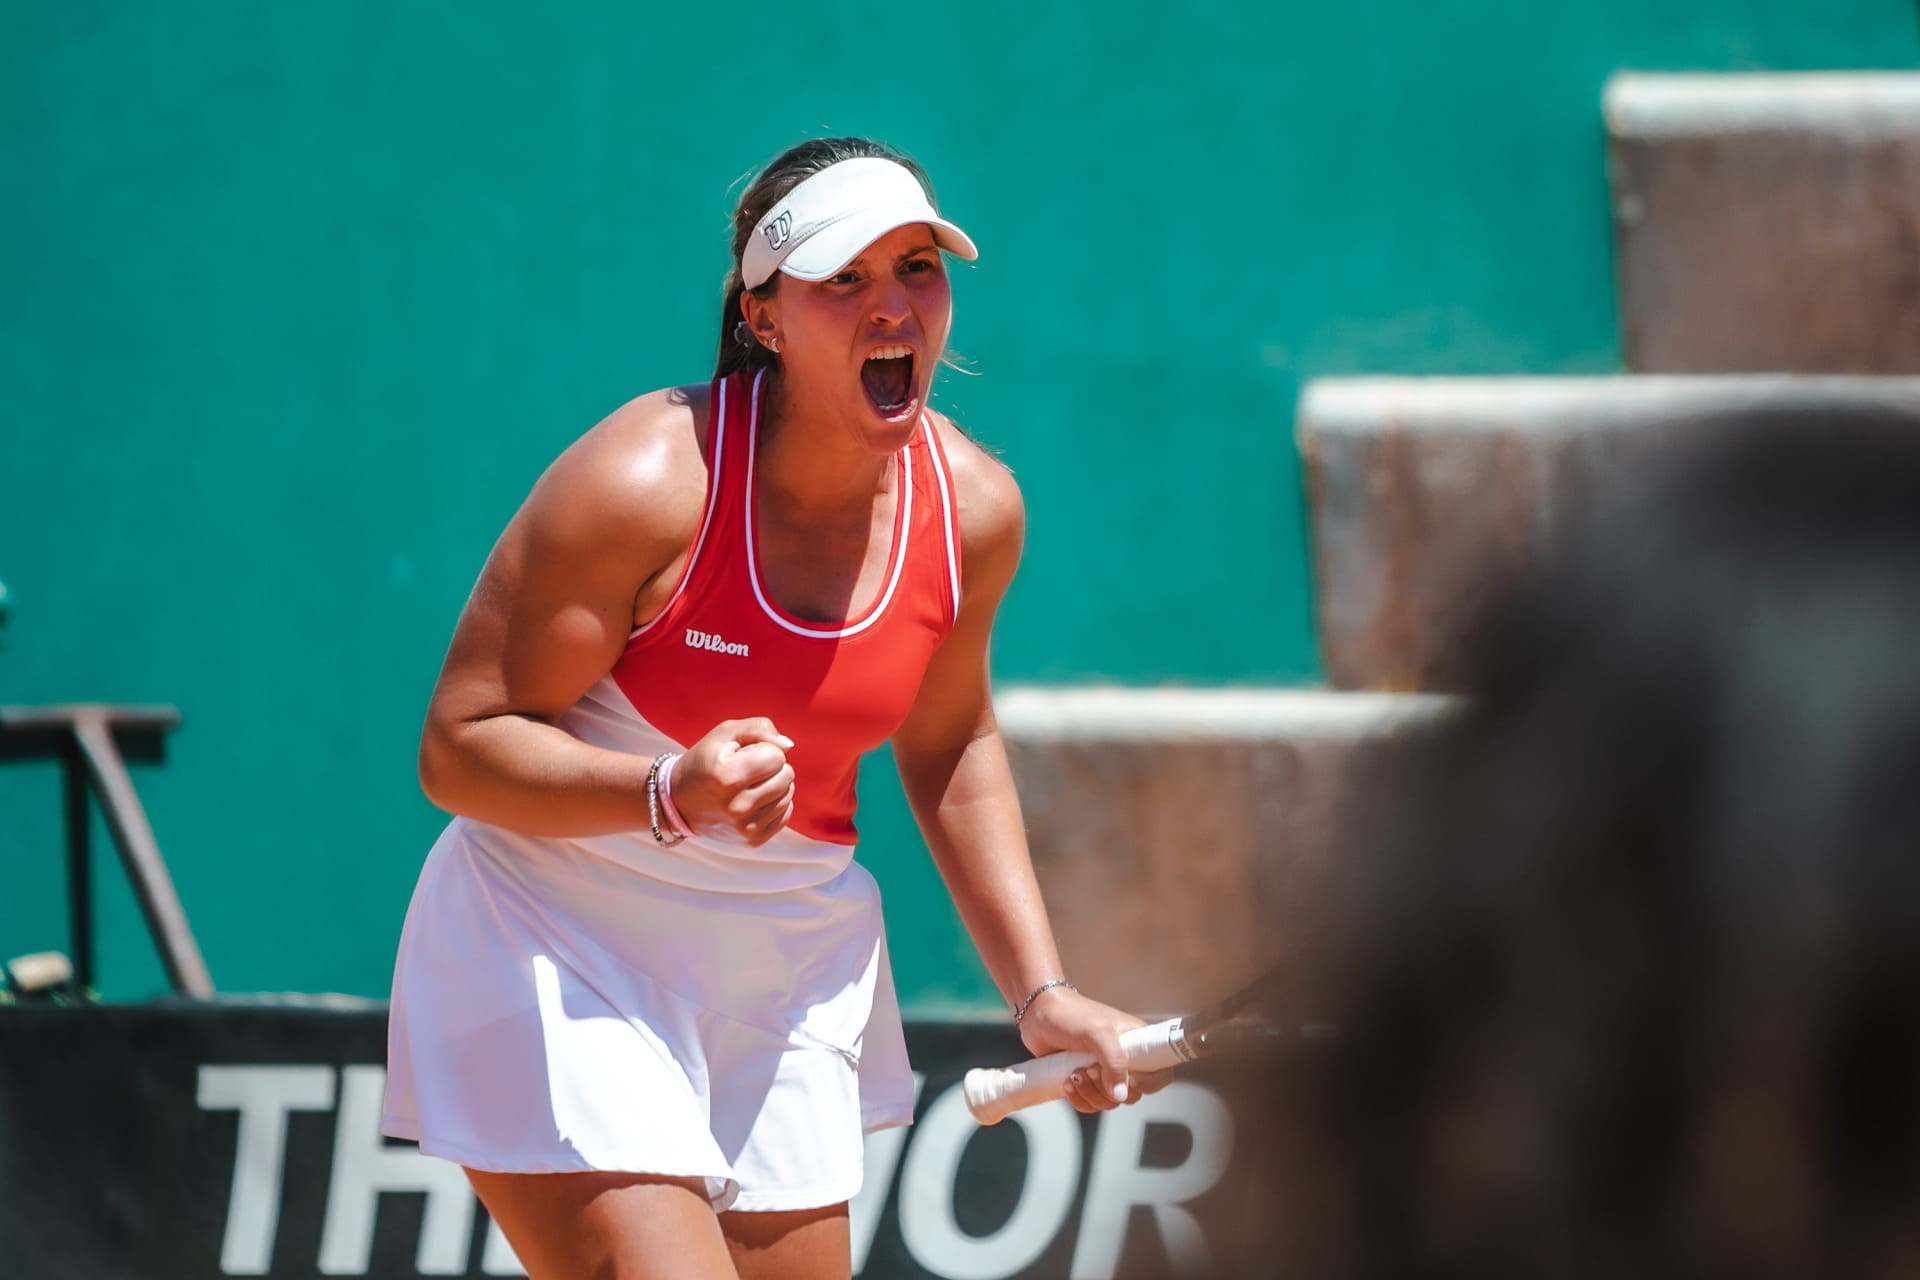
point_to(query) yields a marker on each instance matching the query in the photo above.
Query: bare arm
(953, 767)
(953, 764)
(599, 541)
(549, 617)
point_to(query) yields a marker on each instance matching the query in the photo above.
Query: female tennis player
(643, 992)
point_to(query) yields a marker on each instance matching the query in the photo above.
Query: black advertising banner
(166, 1141)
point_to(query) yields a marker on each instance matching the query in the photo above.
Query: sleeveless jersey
(708, 1010)
(723, 649)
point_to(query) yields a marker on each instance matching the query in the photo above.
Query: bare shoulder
(992, 515)
(637, 479)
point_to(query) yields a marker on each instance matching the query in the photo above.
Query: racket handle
(993, 1094)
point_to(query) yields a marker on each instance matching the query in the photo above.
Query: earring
(773, 345)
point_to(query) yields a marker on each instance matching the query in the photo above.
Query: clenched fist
(736, 780)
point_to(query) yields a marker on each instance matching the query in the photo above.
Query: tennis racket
(1244, 1020)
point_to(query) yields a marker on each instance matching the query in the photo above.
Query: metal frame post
(88, 739)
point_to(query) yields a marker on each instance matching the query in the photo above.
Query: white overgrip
(993, 1094)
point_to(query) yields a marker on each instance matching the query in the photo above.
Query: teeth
(889, 353)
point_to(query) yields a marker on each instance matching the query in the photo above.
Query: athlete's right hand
(737, 781)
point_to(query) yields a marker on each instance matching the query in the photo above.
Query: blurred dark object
(93, 743)
(1628, 972)
(1767, 223)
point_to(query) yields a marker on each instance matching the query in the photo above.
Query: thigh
(616, 1226)
(801, 1244)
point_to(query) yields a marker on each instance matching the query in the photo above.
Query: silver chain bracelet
(1034, 994)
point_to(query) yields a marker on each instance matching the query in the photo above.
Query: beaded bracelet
(1034, 994)
(653, 804)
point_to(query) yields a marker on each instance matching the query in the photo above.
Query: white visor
(826, 221)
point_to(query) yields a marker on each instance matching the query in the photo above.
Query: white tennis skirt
(557, 1011)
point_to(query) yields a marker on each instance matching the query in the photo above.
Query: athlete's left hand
(1060, 1018)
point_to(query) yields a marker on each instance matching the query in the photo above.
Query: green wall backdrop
(297, 301)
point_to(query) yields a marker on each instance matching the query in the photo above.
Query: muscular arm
(549, 617)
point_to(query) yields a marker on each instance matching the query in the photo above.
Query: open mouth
(887, 377)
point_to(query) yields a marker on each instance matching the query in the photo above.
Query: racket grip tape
(993, 1094)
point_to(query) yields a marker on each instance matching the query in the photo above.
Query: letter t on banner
(263, 1096)
(364, 1166)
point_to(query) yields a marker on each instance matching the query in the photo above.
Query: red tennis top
(722, 649)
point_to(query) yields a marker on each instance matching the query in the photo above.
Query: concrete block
(1767, 223)
(1178, 832)
(1423, 491)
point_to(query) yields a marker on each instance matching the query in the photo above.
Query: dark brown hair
(787, 170)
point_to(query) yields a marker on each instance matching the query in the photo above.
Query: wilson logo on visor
(778, 230)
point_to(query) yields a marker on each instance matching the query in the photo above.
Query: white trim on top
(903, 523)
(946, 506)
(717, 428)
